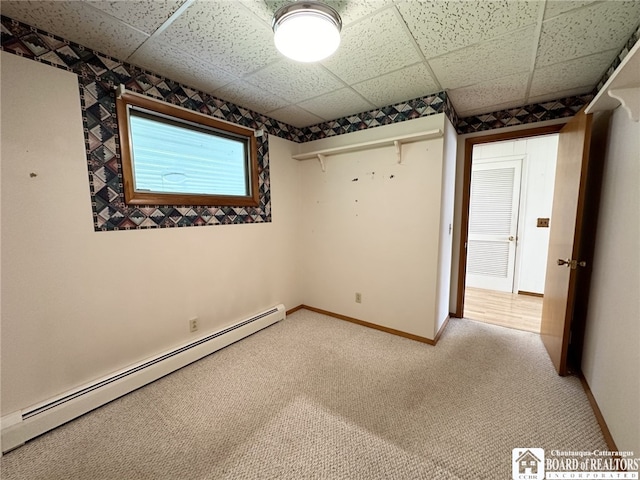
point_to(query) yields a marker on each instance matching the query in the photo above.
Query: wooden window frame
(162, 109)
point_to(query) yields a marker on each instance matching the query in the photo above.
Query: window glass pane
(170, 158)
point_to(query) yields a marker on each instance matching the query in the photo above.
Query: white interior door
(493, 224)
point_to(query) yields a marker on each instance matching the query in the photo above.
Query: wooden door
(493, 223)
(565, 263)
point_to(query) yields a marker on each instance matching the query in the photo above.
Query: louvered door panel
(488, 258)
(491, 201)
(493, 221)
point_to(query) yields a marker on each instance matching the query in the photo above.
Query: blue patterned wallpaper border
(440, 102)
(98, 74)
(538, 112)
(400, 112)
(564, 107)
(633, 39)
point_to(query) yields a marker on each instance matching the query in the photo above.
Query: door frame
(466, 194)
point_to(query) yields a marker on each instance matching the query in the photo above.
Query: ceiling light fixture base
(307, 30)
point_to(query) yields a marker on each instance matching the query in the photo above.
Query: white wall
(446, 224)
(378, 235)
(536, 199)
(611, 356)
(78, 304)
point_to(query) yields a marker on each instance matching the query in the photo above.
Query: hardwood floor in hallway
(522, 312)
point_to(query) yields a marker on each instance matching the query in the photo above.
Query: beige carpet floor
(316, 397)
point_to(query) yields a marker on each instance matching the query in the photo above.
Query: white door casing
(493, 223)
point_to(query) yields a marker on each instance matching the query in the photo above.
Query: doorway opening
(509, 180)
(512, 310)
(571, 244)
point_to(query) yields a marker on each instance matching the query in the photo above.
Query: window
(173, 156)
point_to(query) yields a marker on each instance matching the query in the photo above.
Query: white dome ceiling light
(307, 30)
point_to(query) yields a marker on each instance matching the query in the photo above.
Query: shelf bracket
(630, 100)
(398, 146)
(321, 160)
(120, 90)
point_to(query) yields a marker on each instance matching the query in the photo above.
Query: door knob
(572, 263)
(512, 238)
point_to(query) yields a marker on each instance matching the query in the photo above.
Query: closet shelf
(622, 88)
(385, 142)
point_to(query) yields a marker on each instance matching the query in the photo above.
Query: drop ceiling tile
(294, 81)
(506, 90)
(79, 23)
(569, 75)
(561, 94)
(411, 82)
(167, 60)
(556, 7)
(224, 33)
(349, 10)
(264, 9)
(442, 26)
(372, 47)
(338, 104)
(146, 16)
(249, 96)
(214, 45)
(353, 10)
(478, 63)
(295, 116)
(603, 26)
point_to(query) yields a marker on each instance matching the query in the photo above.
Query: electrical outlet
(543, 223)
(358, 297)
(193, 324)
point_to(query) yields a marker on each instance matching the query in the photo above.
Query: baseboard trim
(441, 331)
(531, 294)
(294, 309)
(606, 433)
(375, 326)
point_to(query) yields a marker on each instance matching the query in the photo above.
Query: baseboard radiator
(24, 425)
